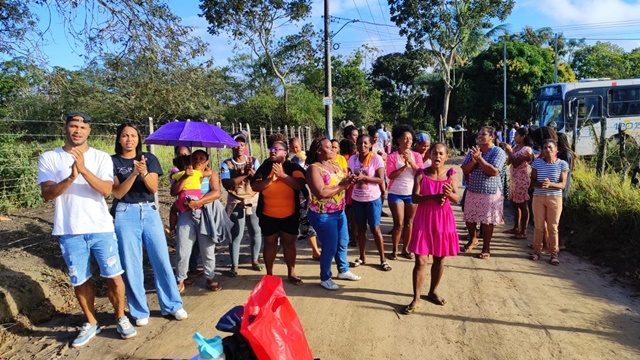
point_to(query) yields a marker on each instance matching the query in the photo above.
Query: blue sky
(617, 21)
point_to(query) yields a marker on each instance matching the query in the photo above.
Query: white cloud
(566, 12)
(615, 21)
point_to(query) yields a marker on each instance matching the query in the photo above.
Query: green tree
(398, 77)
(528, 67)
(258, 25)
(447, 29)
(123, 27)
(355, 97)
(603, 59)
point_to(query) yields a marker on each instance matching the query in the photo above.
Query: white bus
(577, 109)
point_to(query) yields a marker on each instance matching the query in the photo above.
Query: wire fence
(23, 141)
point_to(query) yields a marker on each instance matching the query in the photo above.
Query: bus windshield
(548, 110)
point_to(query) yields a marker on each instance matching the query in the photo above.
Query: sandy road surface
(506, 307)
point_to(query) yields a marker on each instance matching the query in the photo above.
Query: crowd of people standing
(330, 194)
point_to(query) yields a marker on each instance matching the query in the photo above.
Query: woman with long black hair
(138, 224)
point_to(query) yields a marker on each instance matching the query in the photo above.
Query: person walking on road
(327, 184)
(483, 197)
(519, 158)
(138, 224)
(279, 182)
(548, 179)
(435, 231)
(402, 166)
(78, 178)
(236, 173)
(368, 168)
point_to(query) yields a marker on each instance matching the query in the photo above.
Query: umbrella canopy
(192, 134)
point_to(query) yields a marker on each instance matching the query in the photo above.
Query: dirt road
(506, 307)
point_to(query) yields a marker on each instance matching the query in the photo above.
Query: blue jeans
(139, 225)
(334, 237)
(239, 217)
(77, 250)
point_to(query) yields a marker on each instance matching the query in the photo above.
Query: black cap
(75, 114)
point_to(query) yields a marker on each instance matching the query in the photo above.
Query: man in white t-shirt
(78, 178)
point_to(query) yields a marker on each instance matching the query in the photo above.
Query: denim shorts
(393, 198)
(367, 212)
(77, 250)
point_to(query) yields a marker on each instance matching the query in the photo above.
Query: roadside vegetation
(601, 221)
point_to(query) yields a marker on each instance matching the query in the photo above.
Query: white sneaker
(329, 285)
(142, 322)
(348, 275)
(180, 314)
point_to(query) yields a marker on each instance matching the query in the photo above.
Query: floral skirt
(484, 208)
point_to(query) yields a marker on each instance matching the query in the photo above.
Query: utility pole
(504, 86)
(555, 61)
(328, 100)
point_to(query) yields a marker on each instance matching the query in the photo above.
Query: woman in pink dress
(434, 232)
(519, 157)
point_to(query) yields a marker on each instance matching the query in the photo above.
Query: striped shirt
(549, 171)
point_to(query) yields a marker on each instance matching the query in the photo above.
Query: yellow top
(342, 162)
(193, 182)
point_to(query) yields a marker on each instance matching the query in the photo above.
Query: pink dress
(434, 227)
(520, 179)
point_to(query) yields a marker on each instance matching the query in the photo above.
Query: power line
(362, 20)
(385, 21)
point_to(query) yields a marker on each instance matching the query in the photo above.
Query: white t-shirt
(80, 209)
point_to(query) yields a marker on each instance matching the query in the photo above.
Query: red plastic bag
(271, 324)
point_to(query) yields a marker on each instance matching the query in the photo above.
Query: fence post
(249, 140)
(218, 153)
(602, 148)
(152, 149)
(263, 132)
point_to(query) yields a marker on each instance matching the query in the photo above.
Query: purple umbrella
(192, 134)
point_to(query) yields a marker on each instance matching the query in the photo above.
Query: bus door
(583, 125)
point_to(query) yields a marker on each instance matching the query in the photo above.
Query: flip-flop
(436, 300)
(468, 247)
(357, 262)
(393, 256)
(232, 273)
(409, 309)
(409, 256)
(484, 256)
(385, 266)
(213, 285)
(257, 267)
(296, 281)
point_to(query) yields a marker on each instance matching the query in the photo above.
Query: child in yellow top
(192, 189)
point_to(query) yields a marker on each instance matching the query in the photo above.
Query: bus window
(624, 102)
(589, 109)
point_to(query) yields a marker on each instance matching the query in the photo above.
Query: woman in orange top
(279, 181)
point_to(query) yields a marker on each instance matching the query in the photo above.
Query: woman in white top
(401, 169)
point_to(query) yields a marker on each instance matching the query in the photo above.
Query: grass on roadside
(601, 221)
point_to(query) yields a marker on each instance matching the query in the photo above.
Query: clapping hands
(476, 153)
